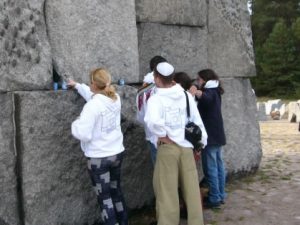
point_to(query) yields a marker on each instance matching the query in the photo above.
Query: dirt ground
(269, 197)
(272, 195)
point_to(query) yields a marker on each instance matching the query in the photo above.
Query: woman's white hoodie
(98, 127)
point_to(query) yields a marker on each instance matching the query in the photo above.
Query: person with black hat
(175, 165)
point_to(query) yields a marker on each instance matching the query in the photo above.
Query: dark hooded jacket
(209, 106)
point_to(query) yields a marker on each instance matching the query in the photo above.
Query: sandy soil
(269, 197)
(272, 195)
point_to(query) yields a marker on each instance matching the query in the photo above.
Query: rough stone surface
(184, 47)
(243, 149)
(294, 112)
(88, 34)
(272, 105)
(56, 186)
(283, 111)
(128, 101)
(230, 47)
(8, 180)
(191, 12)
(25, 56)
(261, 111)
(137, 169)
(55, 182)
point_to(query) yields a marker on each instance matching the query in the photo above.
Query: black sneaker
(205, 199)
(211, 205)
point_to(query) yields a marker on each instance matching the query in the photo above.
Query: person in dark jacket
(209, 106)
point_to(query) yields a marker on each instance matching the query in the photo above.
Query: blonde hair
(102, 79)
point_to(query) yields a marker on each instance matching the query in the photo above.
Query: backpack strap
(187, 105)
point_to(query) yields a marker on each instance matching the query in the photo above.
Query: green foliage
(296, 38)
(296, 31)
(278, 60)
(276, 37)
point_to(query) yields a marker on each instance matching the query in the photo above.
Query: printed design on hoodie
(110, 120)
(173, 117)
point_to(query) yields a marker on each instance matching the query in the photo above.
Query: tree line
(276, 39)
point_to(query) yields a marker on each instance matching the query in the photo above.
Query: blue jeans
(153, 152)
(214, 172)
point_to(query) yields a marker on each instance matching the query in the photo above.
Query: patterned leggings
(105, 175)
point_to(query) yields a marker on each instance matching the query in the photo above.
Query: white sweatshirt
(84, 91)
(141, 104)
(98, 127)
(166, 115)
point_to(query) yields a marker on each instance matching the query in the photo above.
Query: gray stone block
(184, 47)
(294, 111)
(190, 12)
(128, 101)
(8, 186)
(25, 56)
(55, 182)
(230, 47)
(243, 149)
(137, 169)
(85, 35)
(261, 111)
(283, 112)
(272, 105)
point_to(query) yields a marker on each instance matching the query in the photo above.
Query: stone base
(9, 213)
(243, 151)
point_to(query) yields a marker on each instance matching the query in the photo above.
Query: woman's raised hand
(71, 83)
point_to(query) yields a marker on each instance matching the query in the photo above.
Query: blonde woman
(98, 129)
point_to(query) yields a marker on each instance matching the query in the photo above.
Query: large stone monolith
(230, 47)
(88, 34)
(9, 213)
(185, 47)
(25, 55)
(243, 151)
(55, 183)
(178, 12)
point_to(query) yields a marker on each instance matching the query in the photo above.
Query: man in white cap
(166, 118)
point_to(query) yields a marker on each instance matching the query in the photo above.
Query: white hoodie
(98, 127)
(141, 103)
(166, 115)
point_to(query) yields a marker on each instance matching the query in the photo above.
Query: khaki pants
(174, 167)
